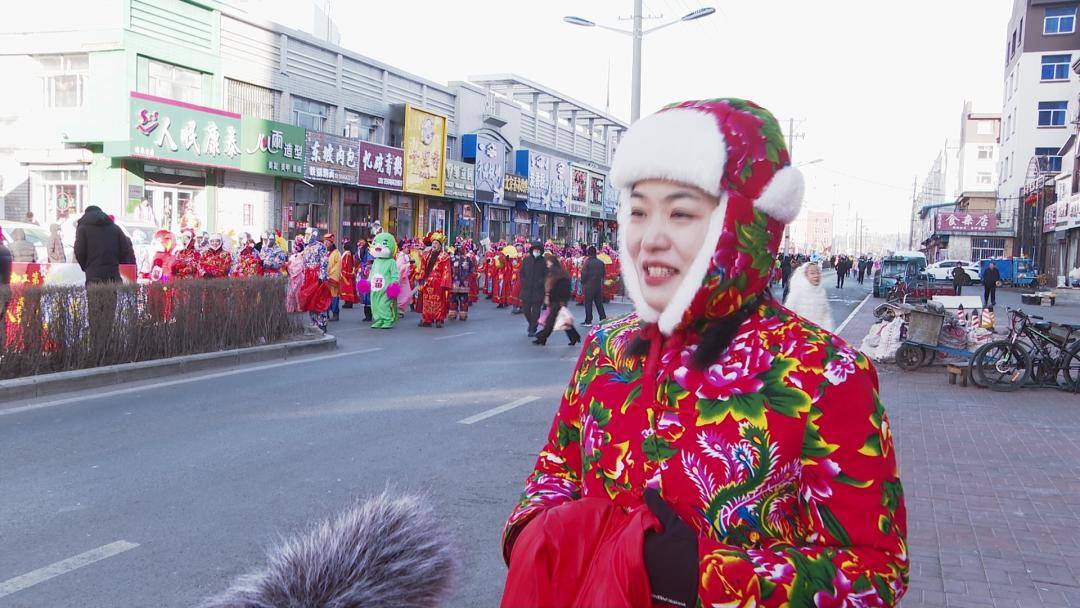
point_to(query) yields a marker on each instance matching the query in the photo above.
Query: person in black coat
(592, 286)
(100, 247)
(5, 274)
(557, 286)
(990, 279)
(533, 273)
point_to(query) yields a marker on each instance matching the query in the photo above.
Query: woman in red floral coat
(216, 261)
(247, 263)
(186, 261)
(757, 438)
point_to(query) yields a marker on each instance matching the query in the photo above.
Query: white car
(942, 271)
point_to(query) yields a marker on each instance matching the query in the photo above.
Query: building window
(1059, 21)
(1049, 161)
(982, 249)
(250, 100)
(312, 115)
(174, 82)
(451, 148)
(983, 179)
(364, 126)
(1052, 113)
(985, 127)
(396, 134)
(63, 79)
(986, 152)
(1056, 67)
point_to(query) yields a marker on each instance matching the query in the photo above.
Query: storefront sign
(547, 179)
(272, 148)
(135, 192)
(425, 151)
(596, 195)
(331, 158)
(167, 130)
(960, 222)
(579, 203)
(1050, 217)
(611, 200)
(459, 180)
(1074, 209)
(381, 166)
(516, 187)
(490, 169)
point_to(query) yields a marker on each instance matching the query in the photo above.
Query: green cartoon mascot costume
(383, 281)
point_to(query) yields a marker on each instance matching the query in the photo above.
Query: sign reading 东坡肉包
(168, 130)
(425, 151)
(331, 158)
(459, 180)
(381, 166)
(272, 148)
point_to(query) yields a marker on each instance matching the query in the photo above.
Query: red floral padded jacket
(779, 454)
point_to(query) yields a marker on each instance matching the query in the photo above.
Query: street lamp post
(636, 34)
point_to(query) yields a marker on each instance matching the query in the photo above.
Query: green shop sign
(167, 130)
(273, 148)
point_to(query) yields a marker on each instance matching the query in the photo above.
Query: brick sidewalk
(992, 482)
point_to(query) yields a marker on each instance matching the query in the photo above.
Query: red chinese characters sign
(958, 221)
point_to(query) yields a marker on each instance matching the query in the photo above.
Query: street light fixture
(811, 162)
(637, 33)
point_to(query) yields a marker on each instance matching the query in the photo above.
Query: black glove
(671, 557)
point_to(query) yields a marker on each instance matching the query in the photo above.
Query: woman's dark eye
(682, 215)
(637, 213)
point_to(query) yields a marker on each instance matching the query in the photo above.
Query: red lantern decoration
(1032, 199)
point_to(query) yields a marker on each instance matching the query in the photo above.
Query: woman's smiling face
(666, 231)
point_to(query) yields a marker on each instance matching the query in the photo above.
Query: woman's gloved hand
(671, 557)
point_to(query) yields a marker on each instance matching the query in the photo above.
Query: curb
(44, 385)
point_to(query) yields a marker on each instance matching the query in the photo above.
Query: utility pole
(911, 228)
(635, 85)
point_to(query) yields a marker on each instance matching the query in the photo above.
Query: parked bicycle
(1036, 351)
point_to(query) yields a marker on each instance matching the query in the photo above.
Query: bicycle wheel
(1071, 368)
(909, 357)
(1002, 366)
(973, 370)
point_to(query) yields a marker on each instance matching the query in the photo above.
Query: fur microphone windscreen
(386, 552)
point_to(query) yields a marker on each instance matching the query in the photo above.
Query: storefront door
(173, 208)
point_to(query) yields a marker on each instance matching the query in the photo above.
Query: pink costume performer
(404, 267)
(296, 275)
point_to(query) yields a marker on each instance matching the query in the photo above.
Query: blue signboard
(549, 180)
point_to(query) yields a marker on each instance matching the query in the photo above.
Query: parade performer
(488, 269)
(248, 263)
(161, 265)
(314, 295)
(462, 271)
(383, 281)
(271, 255)
(744, 450)
(296, 276)
(349, 270)
(364, 260)
(435, 282)
(514, 293)
(216, 262)
(333, 273)
(187, 262)
(405, 271)
(474, 280)
(501, 295)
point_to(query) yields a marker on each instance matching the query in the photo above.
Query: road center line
(852, 315)
(14, 585)
(506, 407)
(468, 333)
(192, 378)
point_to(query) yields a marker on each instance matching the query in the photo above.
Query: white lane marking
(41, 575)
(193, 378)
(468, 333)
(852, 315)
(506, 407)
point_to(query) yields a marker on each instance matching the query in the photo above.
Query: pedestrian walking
(333, 273)
(807, 297)
(533, 275)
(592, 286)
(711, 449)
(22, 250)
(959, 277)
(557, 298)
(54, 246)
(862, 269)
(991, 278)
(843, 265)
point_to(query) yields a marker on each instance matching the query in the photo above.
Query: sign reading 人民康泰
(169, 130)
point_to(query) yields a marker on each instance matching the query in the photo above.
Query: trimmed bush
(60, 328)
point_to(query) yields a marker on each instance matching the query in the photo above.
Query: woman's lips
(655, 275)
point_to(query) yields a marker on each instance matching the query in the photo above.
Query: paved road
(203, 475)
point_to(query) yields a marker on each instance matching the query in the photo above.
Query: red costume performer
(437, 281)
(248, 263)
(514, 293)
(349, 268)
(186, 263)
(162, 264)
(216, 261)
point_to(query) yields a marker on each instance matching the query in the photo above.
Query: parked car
(942, 271)
(36, 235)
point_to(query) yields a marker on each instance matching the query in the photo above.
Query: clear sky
(876, 93)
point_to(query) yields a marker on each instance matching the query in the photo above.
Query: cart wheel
(929, 356)
(909, 357)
